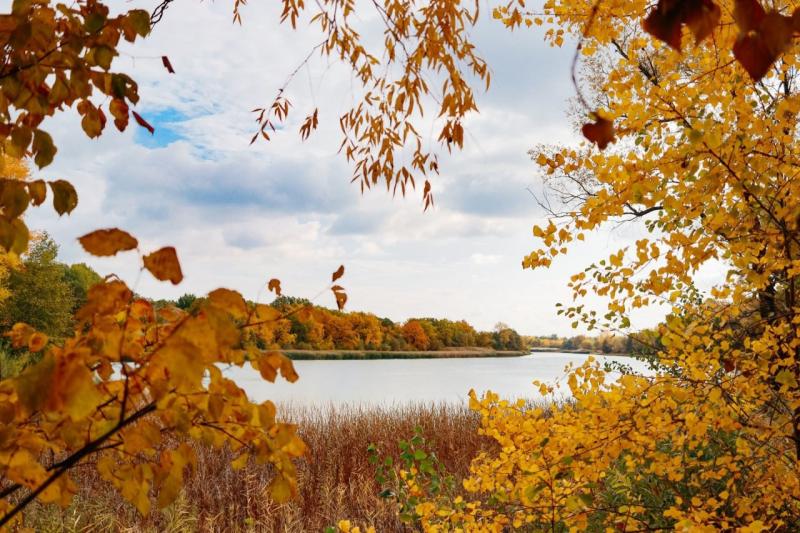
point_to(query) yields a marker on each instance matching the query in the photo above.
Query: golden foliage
(130, 375)
(706, 160)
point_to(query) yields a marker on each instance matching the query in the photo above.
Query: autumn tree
(415, 335)
(40, 293)
(691, 115)
(80, 278)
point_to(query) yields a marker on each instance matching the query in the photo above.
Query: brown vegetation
(336, 479)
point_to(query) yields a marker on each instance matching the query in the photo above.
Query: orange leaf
(164, 265)
(341, 297)
(37, 342)
(274, 285)
(20, 334)
(601, 132)
(119, 110)
(105, 242)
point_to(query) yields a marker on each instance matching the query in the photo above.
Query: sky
(240, 215)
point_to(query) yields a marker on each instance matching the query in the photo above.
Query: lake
(390, 382)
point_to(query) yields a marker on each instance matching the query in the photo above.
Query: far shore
(305, 355)
(448, 353)
(545, 349)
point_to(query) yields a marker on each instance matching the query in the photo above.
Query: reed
(336, 480)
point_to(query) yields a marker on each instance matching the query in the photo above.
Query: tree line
(45, 293)
(642, 342)
(311, 327)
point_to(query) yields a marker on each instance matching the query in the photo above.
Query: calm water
(400, 381)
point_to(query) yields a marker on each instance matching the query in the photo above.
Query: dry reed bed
(335, 481)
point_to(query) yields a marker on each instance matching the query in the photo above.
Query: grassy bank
(336, 480)
(300, 355)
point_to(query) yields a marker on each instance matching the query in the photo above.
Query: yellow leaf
(280, 489)
(274, 285)
(24, 469)
(33, 382)
(105, 299)
(240, 462)
(787, 378)
(73, 388)
(230, 301)
(265, 366)
(287, 370)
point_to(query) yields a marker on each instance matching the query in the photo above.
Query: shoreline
(458, 353)
(579, 352)
(341, 355)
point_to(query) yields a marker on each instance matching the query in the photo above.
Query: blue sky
(240, 215)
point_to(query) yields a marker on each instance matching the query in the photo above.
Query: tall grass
(336, 480)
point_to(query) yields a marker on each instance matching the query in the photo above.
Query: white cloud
(239, 215)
